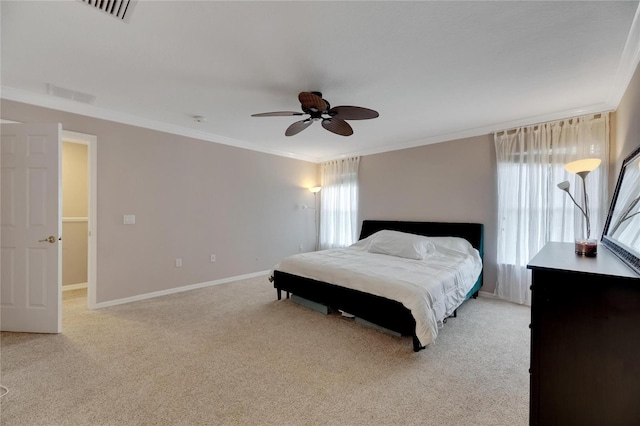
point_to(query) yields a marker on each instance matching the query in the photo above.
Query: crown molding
(45, 101)
(104, 114)
(629, 60)
(481, 131)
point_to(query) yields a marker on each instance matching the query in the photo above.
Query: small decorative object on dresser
(584, 244)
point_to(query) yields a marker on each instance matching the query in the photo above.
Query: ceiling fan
(333, 119)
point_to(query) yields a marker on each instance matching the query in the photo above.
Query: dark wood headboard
(472, 232)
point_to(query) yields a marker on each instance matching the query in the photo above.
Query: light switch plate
(129, 219)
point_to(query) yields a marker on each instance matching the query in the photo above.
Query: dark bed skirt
(381, 311)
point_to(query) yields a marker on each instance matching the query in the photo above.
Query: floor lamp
(584, 244)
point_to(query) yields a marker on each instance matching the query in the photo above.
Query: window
(531, 208)
(339, 203)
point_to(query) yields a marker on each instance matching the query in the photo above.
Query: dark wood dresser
(585, 339)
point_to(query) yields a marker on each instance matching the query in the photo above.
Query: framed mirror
(621, 232)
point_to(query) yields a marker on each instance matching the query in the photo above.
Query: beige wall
(194, 198)
(74, 252)
(191, 199)
(74, 205)
(456, 181)
(626, 128)
(453, 181)
(75, 202)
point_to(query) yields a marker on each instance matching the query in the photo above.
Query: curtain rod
(536, 126)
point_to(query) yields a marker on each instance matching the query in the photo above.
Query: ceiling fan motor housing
(315, 113)
(333, 119)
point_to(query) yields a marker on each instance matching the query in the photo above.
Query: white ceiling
(435, 71)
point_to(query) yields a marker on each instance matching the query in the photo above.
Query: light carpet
(232, 354)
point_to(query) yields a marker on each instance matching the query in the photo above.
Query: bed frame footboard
(386, 313)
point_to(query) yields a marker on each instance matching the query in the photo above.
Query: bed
(379, 288)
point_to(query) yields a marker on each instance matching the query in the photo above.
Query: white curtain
(339, 203)
(532, 210)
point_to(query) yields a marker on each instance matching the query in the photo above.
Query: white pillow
(401, 244)
(451, 243)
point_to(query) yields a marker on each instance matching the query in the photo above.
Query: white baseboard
(494, 297)
(487, 295)
(193, 287)
(176, 290)
(74, 286)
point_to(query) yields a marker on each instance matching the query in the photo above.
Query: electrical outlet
(213, 258)
(178, 263)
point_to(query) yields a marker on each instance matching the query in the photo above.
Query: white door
(30, 210)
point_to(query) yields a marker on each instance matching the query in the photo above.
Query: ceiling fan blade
(312, 101)
(353, 113)
(277, 114)
(337, 126)
(297, 127)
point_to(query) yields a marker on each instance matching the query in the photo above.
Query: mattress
(431, 288)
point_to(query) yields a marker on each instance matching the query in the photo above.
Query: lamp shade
(315, 189)
(581, 166)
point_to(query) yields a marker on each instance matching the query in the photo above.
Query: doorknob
(51, 240)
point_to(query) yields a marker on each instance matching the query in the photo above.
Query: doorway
(44, 141)
(79, 183)
(75, 215)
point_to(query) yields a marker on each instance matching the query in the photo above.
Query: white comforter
(432, 289)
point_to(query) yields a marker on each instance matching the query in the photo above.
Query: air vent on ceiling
(120, 9)
(73, 95)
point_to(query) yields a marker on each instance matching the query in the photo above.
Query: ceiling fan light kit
(333, 119)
